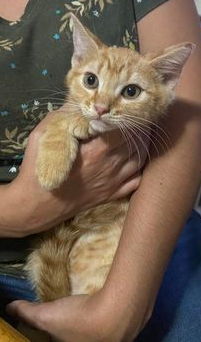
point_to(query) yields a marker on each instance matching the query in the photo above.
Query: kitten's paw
(51, 172)
(53, 166)
(81, 131)
(50, 178)
(50, 181)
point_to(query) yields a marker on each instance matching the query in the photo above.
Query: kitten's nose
(101, 109)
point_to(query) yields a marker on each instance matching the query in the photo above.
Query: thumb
(31, 313)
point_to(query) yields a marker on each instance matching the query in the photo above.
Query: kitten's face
(115, 86)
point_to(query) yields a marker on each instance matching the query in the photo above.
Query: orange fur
(76, 256)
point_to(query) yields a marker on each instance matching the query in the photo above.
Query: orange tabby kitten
(109, 88)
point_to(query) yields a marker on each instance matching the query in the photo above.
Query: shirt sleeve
(143, 7)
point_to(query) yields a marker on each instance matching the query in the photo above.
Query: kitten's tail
(48, 264)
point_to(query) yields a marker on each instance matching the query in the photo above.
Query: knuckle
(94, 150)
(138, 179)
(136, 183)
(101, 148)
(133, 164)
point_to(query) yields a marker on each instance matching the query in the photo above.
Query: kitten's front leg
(58, 149)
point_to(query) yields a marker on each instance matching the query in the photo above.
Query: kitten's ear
(83, 40)
(170, 64)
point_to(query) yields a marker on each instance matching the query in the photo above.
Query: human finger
(107, 141)
(127, 188)
(130, 169)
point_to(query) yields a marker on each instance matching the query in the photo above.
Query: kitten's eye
(90, 80)
(131, 91)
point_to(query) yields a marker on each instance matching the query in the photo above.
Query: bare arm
(169, 185)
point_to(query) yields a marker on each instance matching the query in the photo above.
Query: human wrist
(39, 209)
(23, 199)
(16, 209)
(10, 211)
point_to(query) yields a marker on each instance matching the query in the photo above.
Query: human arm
(157, 211)
(101, 172)
(170, 183)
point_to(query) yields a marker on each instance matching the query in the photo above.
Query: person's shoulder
(143, 7)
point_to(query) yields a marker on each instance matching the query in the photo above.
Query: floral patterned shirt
(35, 54)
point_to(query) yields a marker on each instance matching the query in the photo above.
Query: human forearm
(15, 210)
(167, 192)
(157, 213)
(11, 210)
(5, 203)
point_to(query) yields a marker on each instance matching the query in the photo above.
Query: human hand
(101, 173)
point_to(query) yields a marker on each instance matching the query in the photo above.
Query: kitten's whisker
(132, 129)
(50, 98)
(46, 97)
(125, 135)
(149, 136)
(64, 92)
(125, 138)
(40, 103)
(158, 138)
(36, 119)
(119, 124)
(139, 130)
(73, 104)
(51, 90)
(128, 139)
(152, 123)
(48, 102)
(131, 139)
(43, 106)
(142, 131)
(162, 141)
(130, 114)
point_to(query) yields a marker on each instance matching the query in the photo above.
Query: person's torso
(35, 54)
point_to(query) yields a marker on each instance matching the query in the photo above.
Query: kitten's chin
(100, 126)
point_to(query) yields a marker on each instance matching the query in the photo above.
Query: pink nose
(101, 109)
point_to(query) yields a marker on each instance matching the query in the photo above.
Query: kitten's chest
(89, 259)
(91, 256)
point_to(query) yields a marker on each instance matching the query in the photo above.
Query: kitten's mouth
(100, 125)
